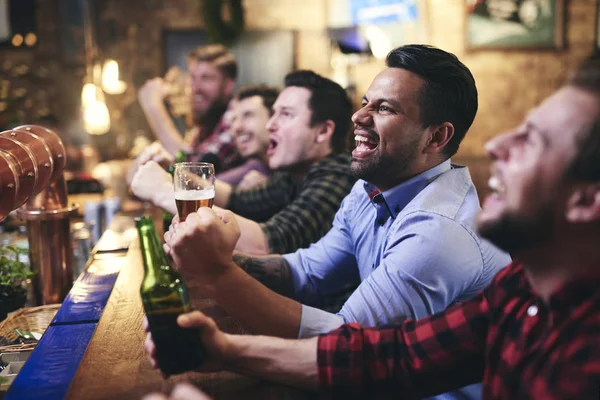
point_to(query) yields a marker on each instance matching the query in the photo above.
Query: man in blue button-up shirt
(407, 235)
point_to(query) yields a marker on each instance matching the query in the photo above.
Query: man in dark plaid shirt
(308, 139)
(534, 333)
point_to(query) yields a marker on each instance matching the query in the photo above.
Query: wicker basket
(34, 319)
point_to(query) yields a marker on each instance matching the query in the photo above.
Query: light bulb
(88, 95)
(110, 78)
(96, 119)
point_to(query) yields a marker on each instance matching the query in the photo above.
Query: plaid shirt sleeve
(416, 359)
(262, 203)
(310, 216)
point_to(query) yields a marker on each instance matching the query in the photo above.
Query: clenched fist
(202, 245)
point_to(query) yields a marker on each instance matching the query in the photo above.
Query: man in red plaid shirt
(534, 333)
(213, 70)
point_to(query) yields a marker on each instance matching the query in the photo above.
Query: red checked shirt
(520, 346)
(219, 142)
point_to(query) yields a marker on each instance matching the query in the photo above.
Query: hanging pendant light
(96, 119)
(88, 94)
(110, 78)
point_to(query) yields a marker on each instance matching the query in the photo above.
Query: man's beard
(384, 170)
(513, 233)
(210, 116)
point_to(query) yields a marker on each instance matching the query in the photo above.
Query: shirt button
(532, 311)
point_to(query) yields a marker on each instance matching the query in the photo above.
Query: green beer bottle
(165, 297)
(181, 156)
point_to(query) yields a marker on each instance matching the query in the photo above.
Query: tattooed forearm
(272, 271)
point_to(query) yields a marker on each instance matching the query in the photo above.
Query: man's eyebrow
(288, 108)
(539, 131)
(395, 104)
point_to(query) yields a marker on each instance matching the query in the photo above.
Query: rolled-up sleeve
(315, 322)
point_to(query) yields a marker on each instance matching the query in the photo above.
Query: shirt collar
(566, 297)
(575, 292)
(391, 202)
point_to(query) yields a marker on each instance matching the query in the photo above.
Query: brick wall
(510, 83)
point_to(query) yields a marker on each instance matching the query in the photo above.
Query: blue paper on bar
(91, 291)
(51, 367)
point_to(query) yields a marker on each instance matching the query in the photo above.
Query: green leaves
(13, 272)
(218, 30)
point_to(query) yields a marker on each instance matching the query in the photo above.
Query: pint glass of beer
(194, 187)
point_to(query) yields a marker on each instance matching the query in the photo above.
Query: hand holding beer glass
(194, 184)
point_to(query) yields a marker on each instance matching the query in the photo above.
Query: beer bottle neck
(153, 255)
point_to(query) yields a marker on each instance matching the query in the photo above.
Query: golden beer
(189, 201)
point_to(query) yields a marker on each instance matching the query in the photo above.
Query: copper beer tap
(32, 160)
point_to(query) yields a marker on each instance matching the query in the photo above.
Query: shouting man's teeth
(496, 186)
(363, 143)
(243, 138)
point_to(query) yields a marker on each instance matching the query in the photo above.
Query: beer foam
(204, 194)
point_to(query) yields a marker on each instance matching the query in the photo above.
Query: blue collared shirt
(413, 247)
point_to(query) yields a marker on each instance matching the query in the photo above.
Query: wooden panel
(115, 365)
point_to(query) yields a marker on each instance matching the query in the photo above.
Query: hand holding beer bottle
(194, 184)
(165, 297)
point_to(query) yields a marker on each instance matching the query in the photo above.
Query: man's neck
(552, 266)
(208, 122)
(264, 159)
(301, 169)
(417, 170)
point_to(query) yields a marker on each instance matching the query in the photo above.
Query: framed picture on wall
(515, 24)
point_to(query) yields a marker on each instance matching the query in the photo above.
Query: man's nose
(362, 117)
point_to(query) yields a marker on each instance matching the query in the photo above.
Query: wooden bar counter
(114, 365)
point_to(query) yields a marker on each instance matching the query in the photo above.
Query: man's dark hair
(328, 101)
(449, 93)
(586, 164)
(217, 54)
(268, 94)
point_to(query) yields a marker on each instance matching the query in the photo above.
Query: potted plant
(14, 278)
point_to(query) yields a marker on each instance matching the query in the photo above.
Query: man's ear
(229, 87)
(583, 205)
(325, 131)
(439, 137)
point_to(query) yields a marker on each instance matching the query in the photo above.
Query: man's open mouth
(365, 145)
(272, 146)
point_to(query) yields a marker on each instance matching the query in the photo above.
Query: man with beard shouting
(213, 71)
